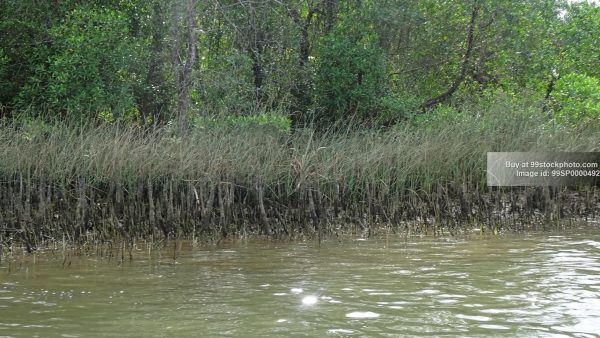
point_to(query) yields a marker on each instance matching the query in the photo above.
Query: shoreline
(121, 251)
(495, 212)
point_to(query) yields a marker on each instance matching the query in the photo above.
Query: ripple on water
(511, 312)
(427, 292)
(494, 327)
(44, 303)
(475, 318)
(362, 315)
(309, 300)
(339, 331)
(402, 272)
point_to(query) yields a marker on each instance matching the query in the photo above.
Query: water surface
(536, 285)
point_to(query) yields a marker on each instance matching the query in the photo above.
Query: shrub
(576, 98)
(91, 70)
(438, 117)
(5, 83)
(395, 107)
(351, 75)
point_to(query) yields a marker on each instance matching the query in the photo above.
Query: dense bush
(576, 98)
(5, 82)
(393, 108)
(351, 76)
(92, 69)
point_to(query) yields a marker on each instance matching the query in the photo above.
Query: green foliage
(25, 41)
(351, 76)
(493, 109)
(273, 121)
(581, 40)
(5, 83)
(520, 45)
(439, 117)
(436, 51)
(397, 107)
(131, 116)
(576, 98)
(230, 90)
(371, 61)
(92, 69)
(32, 128)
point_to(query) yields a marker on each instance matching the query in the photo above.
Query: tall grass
(90, 182)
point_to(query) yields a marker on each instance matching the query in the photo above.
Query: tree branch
(463, 69)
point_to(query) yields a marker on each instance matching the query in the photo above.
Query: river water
(527, 285)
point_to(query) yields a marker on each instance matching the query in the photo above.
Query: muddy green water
(536, 285)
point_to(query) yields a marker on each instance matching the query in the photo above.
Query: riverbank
(82, 183)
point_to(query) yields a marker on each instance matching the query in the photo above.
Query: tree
(351, 71)
(91, 68)
(185, 65)
(466, 59)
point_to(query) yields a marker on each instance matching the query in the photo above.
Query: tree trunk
(256, 50)
(330, 14)
(185, 79)
(299, 92)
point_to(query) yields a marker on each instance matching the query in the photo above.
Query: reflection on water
(528, 285)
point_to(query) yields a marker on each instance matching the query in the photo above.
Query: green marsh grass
(83, 183)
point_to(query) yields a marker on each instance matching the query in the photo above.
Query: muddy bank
(37, 212)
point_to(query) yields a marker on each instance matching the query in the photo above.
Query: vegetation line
(97, 183)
